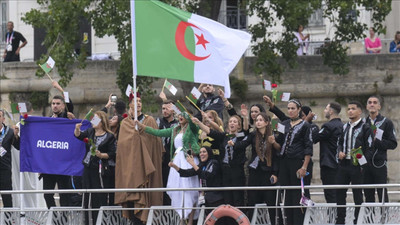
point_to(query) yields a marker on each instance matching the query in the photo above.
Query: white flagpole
(134, 65)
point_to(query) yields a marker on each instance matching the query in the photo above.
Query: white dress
(175, 181)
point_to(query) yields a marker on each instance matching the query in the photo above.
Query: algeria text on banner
(48, 145)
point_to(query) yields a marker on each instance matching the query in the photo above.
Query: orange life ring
(229, 211)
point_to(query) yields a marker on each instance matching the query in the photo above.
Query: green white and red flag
(194, 95)
(171, 88)
(49, 65)
(170, 43)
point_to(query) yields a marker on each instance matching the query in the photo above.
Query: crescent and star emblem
(181, 45)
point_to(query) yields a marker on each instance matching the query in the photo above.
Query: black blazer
(107, 146)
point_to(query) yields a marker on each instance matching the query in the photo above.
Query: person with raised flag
(295, 154)
(60, 109)
(232, 160)
(138, 164)
(8, 137)
(96, 173)
(166, 121)
(263, 165)
(170, 43)
(184, 142)
(211, 119)
(209, 101)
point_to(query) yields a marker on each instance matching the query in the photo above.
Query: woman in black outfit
(114, 124)
(232, 161)
(93, 178)
(209, 172)
(263, 165)
(295, 154)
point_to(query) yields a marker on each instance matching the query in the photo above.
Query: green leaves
(61, 21)
(292, 13)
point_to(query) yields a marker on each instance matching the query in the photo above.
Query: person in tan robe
(138, 165)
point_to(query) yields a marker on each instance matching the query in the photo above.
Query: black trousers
(5, 184)
(288, 177)
(165, 174)
(111, 184)
(348, 173)
(258, 177)
(233, 177)
(328, 177)
(374, 175)
(91, 180)
(49, 183)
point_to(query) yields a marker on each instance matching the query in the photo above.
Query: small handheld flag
(49, 65)
(171, 88)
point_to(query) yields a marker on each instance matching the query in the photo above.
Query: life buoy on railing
(229, 211)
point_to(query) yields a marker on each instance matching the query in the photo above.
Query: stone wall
(312, 82)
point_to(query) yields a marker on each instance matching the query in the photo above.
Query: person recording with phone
(118, 105)
(184, 142)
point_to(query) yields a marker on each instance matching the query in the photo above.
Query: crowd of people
(197, 150)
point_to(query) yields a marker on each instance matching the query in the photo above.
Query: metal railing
(394, 207)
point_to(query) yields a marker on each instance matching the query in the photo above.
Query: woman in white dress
(184, 141)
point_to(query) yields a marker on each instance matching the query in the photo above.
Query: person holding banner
(59, 110)
(184, 142)
(100, 148)
(8, 137)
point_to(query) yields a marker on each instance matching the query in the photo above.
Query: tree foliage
(292, 13)
(61, 20)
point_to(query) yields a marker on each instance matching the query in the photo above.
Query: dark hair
(357, 103)
(260, 107)
(395, 37)
(210, 156)
(59, 97)
(120, 107)
(295, 101)
(335, 107)
(168, 101)
(377, 97)
(306, 110)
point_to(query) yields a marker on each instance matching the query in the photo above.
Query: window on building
(234, 16)
(316, 19)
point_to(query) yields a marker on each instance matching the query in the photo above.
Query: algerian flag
(48, 66)
(285, 96)
(267, 85)
(194, 95)
(170, 43)
(171, 88)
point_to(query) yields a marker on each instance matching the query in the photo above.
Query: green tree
(61, 20)
(292, 13)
